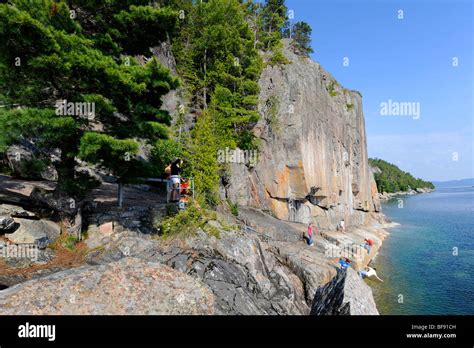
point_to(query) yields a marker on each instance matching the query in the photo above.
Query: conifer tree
(82, 51)
(217, 56)
(301, 38)
(274, 22)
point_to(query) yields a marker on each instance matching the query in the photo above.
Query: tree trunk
(65, 171)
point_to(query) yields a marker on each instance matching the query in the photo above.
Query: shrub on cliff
(185, 223)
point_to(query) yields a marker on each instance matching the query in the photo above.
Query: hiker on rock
(369, 243)
(174, 170)
(344, 263)
(310, 234)
(368, 272)
(342, 226)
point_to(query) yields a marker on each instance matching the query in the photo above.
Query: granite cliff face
(313, 163)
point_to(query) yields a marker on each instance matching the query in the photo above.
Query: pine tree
(217, 57)
(83, 52)
(301, 38)
(274, 22)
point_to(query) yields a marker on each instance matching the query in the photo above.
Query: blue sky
(404, 60)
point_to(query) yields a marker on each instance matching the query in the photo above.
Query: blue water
(417, 261)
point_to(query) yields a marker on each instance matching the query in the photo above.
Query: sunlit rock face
(313, 163)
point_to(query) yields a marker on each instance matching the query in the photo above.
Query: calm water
(417, 261)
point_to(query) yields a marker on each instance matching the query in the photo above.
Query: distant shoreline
(385, 196)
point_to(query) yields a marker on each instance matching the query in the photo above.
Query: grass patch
(65, 241)
(234, 208)
(332, 88)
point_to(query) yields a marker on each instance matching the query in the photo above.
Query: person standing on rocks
(369, 243)
(342, 226)
(310, 234)
(174, 169)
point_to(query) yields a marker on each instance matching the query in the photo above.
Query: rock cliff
(313, 163)
(345, 294)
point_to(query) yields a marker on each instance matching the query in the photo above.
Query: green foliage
(248, 141)
(79, 185)
(392, 179)
(65, 241)
(80, 51)
(273, 106)
(69, 242)
(301, 38)
(218, 59)
(332, 88)
(32, 168)
(234, 208)
(278, 58)
(273, 23)
(349, 106)
(202, 158)
(117, 155)
(185, 223)
(220, 65)
(164, 152)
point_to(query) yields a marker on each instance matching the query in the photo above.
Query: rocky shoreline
(385, 196)
(262, 268)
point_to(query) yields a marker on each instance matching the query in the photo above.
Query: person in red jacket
(310, 234)
(369, 243)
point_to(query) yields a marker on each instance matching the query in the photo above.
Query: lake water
(427, 263)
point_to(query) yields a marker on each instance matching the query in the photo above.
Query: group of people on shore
(366, 272)
(344, 263)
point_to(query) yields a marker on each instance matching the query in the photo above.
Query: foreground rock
(38, 232)
(15, 211)
(129, 286)
(345, 294)
(250, 273)
(242, 272)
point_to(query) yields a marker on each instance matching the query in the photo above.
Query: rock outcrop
(345, 294)
(38, 232)
(241, 271)
(129, 286)
(249, 272)
(313, 164)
